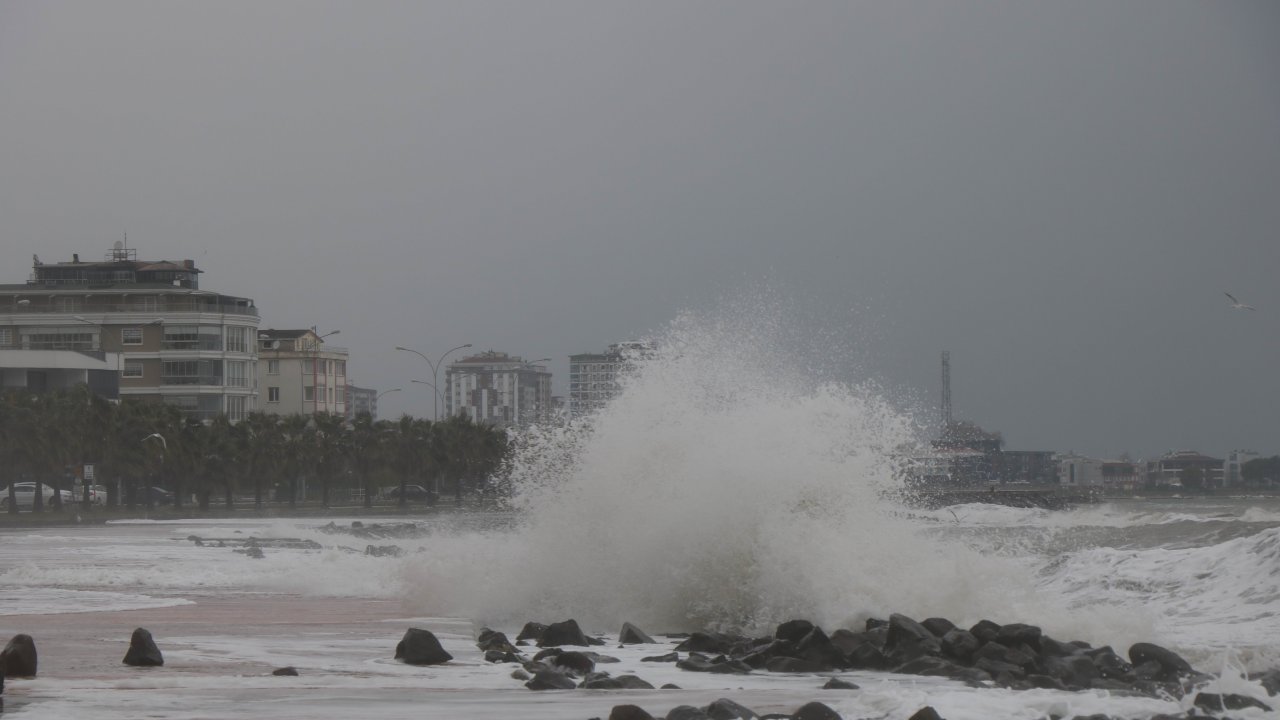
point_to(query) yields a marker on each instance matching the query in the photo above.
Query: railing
(170, 306)
(191, 380)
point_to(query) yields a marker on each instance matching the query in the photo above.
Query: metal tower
(946, 390)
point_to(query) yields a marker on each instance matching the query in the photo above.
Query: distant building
(1037, 467)
(497, 388)
(300, 374)
(1232, 475)
(361, 400)
(1079, 471)
(1175, 469)
(1121, 474)
(593, 377)
(146, 321)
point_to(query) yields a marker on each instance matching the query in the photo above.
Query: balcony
(171, 305)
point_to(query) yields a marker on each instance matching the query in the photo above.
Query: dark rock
(563, 633)
(531, 631)
(941, 667)
(1054, 648)
(252, 551)
(985, 630)
(383, 550)
(908, 640)
(1219, 703)
(629, 712)
(142, 650)
(815, 711)
(18, 659)
(670, 686)
(547, 679)
(867, 657)
(494, 640)
(706, 642)
(697, 662)
(794, 665)
(520, 674)
(960, 645)
(873, 623)
(574, 662)
(1110, 665)
(726, 709)
(838, 684)
(497, 656)
(1270, 680)
(926, 713)
(938, 626)
(1076, 671)
(631, 634)
(420, 647)
(1003, 672)
(669, 657)
(1016, 634)
(632, 682)
(600, 681)
(1173, 664)
(1046, 682)
(846, 640)
(290, 671)
(686, 712)
(1020, 656)
(793, 630)
(816, 647)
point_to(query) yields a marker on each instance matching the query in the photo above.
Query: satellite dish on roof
(118, 246)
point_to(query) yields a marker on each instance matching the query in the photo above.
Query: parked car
(24, 494)
(412, 493)
(97, 494)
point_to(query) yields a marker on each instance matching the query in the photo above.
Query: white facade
(1232, 467)
(1078, 471)
(300, 374)
(593, 377)
(498, 389)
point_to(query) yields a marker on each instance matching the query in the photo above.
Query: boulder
(573, 662)
(846, 640)
(985, 630)
(938, 626)
(420, 647)
(726, 709)
(1214, 702)
(706, 643)
(1172, 663)
(926, 713)
(18, 659)
(531, 631)
(1017, 634)
(908, 640)
(669, 657)
(547, 679)
(793, 630)
(1270, 680)
(784, 664)
(838, 684)
(815, 711)
(960, 645)
(867, 657)
(494, 640)
(142, 650)
(631, 635)
(497, 656)
(289, 671)
(1110, 665)
(686, 712)
(1021, 656)
(632, 682)
(697, 662)
(1054, 648)
(629, 712)
(563, 633)
(816, 647)
(941, 667)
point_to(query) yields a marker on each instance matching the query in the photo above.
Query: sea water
(732, 485)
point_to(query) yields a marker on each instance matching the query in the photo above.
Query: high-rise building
(300, 374)
(593, 377)
(497, 388)
(361, 400)
(170, 341)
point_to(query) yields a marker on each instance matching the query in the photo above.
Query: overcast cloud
(1058, 193)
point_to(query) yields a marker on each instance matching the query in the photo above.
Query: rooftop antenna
(946, 389)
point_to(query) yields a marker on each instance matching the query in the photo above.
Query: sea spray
(731, 484)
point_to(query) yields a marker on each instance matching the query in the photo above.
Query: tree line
(135, 444)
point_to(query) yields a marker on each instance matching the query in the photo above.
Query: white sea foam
(726, 486)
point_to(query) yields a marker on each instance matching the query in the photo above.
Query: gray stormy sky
(1058, 193)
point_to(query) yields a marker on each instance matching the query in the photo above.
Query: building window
(132, 369)
(235, 339)
(273, 394)
(342, 368)
(191, 372)
(308, 366)
(6, 337)
(235, 407)
(273, 367)
(66, 304)
(235, 374)
(309, 394)
(59, 339)
(320, 393)
(131, 336)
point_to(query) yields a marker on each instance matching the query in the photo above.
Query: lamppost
(150, 499)
(378, 397)
(435, 376)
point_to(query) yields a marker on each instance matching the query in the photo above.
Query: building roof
(273, 334)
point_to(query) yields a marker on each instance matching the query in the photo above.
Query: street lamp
(150, 496)
(378, 397)
(435, 377)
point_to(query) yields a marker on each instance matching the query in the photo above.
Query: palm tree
(332, 440)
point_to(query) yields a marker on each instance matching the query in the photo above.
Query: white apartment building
(300, 374)
(1232, 467)
(593, 377)
(165, 338)
(499, 389)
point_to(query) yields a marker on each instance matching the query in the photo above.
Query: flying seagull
(1237, 304)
